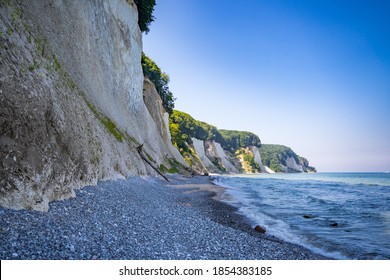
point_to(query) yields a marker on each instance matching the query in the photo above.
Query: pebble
(136, 218)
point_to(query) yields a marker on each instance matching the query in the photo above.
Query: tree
(233, 139)
(160, 81)
(145, 13)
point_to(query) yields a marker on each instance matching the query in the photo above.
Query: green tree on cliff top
(160, 81)
(145, 13)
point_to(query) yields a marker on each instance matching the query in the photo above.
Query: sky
(311, 75)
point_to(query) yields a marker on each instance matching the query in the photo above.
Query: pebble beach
(141, 219)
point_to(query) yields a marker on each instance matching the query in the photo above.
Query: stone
(334, 224)
(260, 229)
(308, 216)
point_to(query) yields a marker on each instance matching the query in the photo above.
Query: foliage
(145, 13)
(275, 155)
(218, 164)
(183, 127)
(247, 160)
(160, 81)
(188, 127)
(108, 123)
(248, 157)
(233, 139)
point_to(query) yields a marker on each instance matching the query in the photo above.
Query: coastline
(141, 218)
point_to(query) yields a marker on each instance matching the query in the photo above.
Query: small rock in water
(260, 229)
(334, 224)
(308, 216)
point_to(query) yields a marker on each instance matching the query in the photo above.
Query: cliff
(72, 108)
(208, 149)
(75, 106)
(283, 159)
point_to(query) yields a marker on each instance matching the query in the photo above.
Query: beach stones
(260, 229)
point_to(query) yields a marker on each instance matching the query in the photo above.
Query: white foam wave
(240, 198)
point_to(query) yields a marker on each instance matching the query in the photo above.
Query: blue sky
(311, 75)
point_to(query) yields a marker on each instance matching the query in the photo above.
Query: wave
(359, 231)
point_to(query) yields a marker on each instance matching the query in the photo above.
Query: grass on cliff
(175, 166)
(108, 123)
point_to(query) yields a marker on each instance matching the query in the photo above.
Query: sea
(339, 215)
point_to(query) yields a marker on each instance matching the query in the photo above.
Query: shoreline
(226, 214)
(141, 218)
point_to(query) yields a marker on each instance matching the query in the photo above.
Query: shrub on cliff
(188, 126)
(230, 140)
(275, 155)
(234, 139)
(145, 13)
(160, 81)
(248, 157)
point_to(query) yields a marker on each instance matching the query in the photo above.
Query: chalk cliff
(219, 157)
(205, 162)
(280, 158)
(75, 106)
(258, 160)
(208, 149)
(291, 164)
(72, 110)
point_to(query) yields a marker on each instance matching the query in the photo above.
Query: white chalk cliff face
(200, 150)
(257, 157)
(214, 151)
(71, 100)
(292, 164)
(160, 118)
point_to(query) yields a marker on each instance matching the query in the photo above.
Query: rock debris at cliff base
(137, 219)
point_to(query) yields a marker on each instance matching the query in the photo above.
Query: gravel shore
(140, 218)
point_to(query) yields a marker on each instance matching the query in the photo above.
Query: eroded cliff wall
(71, 100)
(257, 159)
(219, 157)
(206, 164)
(160, 118)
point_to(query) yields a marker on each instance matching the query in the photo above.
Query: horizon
(310, 76)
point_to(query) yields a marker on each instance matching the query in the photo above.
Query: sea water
(340, 215)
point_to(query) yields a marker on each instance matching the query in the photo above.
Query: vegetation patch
(175, 166)
(56, 63)
(108, 123)
(150, 157)
(160, 81)
(95, 160)
(274, 156)
(163, 168)
(219, 165)
(182, 127)
(233, 139)
(145, 13)
(16, 14)
(4, 3)
(9, 31)
(40, 45)
(248, 160)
